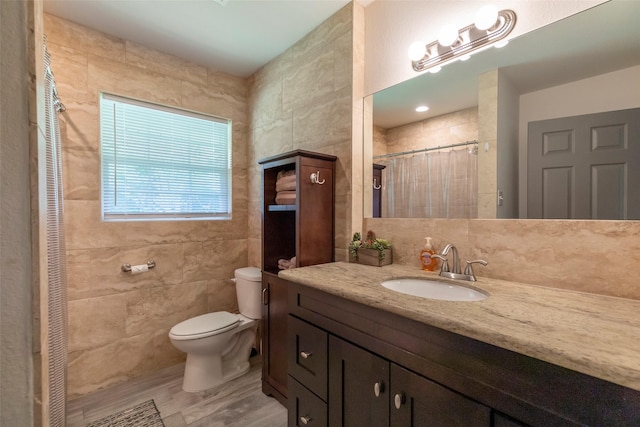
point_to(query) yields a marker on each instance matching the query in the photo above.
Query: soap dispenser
(426, 260)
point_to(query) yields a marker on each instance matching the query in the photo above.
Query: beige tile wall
(303, 100)
(118, 323)
(600, 257)
(452, 128)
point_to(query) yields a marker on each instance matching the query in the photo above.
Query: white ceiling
(238, 37)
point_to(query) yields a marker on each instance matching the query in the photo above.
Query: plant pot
(372, 257)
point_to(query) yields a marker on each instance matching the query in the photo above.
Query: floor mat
(143, 415)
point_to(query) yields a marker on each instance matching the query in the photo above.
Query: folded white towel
(286, 198)
(288, 183)
(282, 174)
(285, 264)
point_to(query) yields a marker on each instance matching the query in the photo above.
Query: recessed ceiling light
(422, 109)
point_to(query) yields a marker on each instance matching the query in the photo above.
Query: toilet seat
(204, 326)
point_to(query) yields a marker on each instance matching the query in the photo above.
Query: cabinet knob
(398, 400)
(378, 388)
(305, 420)
(305, 354)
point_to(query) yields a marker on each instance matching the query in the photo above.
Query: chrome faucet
(455, 272)
(445, 260)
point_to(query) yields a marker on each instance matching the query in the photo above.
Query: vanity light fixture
(490, 27)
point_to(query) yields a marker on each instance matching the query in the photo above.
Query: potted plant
(370, 251)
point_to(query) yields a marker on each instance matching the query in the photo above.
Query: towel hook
(315, 178)
(378, 186)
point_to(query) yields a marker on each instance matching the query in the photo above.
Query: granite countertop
(593, 334)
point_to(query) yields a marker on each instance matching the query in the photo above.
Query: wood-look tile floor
(238, 403)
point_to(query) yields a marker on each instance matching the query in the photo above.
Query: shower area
(52, 268)
(436, 182)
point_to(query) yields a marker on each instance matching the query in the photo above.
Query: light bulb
(465, 57)
(435, 69)
(422, 108)
(486, 17)
(447, 35)
(501, 43)
(417, 50)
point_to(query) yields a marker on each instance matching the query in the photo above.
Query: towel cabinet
(299, 225)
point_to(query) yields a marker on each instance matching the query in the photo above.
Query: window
(163, 163)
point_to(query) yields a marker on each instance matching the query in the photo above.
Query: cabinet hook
(376, 186)
(315, 178)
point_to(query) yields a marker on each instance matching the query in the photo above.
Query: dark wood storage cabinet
(304, 229)
(377, 190)
(355, 365)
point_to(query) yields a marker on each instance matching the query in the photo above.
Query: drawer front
(305, 409)
(307, 358)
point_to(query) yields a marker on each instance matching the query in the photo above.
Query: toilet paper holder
(127, 267)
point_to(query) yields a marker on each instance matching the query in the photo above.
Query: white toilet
(218, 344)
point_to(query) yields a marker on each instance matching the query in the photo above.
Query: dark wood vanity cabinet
(368, 390)
(365, 389)
(355, 365)
(303, 229)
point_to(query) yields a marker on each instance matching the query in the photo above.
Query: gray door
(585, 167)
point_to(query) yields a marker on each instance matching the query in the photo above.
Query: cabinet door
(274, 340)
(417, 401)
(358, 386)
(500, 420)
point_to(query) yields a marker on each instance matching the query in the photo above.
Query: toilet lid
(251, 274)
(206, 324)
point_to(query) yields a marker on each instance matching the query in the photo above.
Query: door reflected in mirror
(585, 64)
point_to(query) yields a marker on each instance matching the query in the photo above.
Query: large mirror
(573, 69)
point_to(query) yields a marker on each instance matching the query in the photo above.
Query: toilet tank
(249, 291)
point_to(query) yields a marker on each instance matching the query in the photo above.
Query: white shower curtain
(432, 184)
(54, 297)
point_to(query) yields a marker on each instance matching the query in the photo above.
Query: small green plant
(371, 242)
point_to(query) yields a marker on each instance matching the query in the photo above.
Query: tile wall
(303, 99)
(453, 128)
(118, 323)
(600, 257)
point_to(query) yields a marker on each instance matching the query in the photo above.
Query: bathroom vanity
(360, 354)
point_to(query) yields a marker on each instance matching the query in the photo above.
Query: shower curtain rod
(422, 150)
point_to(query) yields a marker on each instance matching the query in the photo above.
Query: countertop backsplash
(599, 257)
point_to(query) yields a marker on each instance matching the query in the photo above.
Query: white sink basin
(434, 289)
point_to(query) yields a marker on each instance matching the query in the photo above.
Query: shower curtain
(432, 184)
(54, 297)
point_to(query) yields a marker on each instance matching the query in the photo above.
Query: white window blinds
(163, 163)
